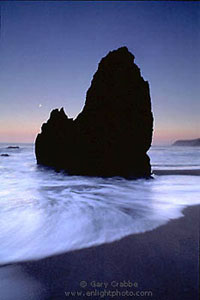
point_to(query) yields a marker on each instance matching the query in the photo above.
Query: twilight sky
(49, 52)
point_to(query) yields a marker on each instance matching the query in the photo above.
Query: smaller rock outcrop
(55, 146)
(13, 147)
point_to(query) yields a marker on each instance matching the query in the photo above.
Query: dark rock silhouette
(5, 154)
(112, 134)
(13, 147)
(193, 143)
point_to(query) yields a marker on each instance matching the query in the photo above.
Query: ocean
(43, 213)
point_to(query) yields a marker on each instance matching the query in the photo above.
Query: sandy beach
(160, 264)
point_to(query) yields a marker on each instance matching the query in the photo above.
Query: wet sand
(161, 264)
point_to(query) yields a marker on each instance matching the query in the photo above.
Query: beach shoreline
(163, 263)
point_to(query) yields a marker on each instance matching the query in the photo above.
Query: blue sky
(50, 50)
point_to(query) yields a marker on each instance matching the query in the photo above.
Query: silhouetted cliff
(193, 143)
(112, 134)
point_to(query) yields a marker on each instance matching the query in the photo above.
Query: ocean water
(43, 213)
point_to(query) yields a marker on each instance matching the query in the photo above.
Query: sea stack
(112, 134)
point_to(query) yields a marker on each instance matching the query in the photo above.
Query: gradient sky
(49, 52)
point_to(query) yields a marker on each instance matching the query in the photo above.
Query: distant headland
(112, 134)
(193, 143)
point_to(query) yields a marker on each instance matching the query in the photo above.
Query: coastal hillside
(193, 143)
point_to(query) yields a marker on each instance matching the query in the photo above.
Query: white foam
(43, 213)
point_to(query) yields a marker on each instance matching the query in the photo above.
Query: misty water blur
(43, 213)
